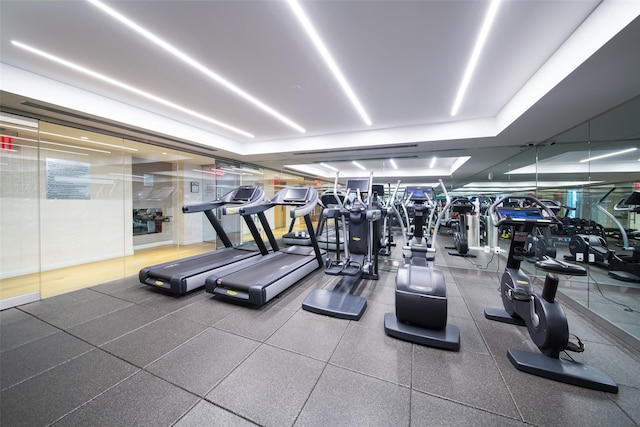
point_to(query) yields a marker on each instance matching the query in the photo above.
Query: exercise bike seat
(554, 266)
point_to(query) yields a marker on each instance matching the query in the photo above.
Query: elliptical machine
(421, 294)
(540, 313)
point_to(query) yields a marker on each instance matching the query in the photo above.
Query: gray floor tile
(379, 291)
(256, 323)
(207, 414)
(140, 400)
(346, 398)
(23, 331)
(270, 387)
(615, 361)
(457, 307)
(12, 315)
(470, 378)
(169, 302)
(433, 411)
(373, 316)
(202, 362)
(136, 293)
(587, 331)
(207, 311)
(113, 325)
(110, 288)
(84, 311)
(54, 393)
(628, 399)
(309, 334)
(470, 337)
(372, 352)
(32, 358)
(563, 404)
(154, 340)
(60, 302)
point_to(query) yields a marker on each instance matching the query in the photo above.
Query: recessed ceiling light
(358, 165)
(329, 167)
(590, 159)
(328, 59)
(473, 61)
(129, 88)
(194, 64)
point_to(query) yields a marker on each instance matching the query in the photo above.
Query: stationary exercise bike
(540, 313)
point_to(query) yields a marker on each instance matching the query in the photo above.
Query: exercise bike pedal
(576, 348)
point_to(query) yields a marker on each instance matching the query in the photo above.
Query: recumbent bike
(540, 313)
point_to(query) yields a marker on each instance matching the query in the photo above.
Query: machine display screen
(358, 184)
(419, 193)
(244, 193)
(520, 214)
(296, 194)
(378, 189)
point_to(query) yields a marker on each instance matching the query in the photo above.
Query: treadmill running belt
(201, 263)
(264, 271)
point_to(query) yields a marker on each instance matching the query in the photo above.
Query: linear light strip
(358, 165)
(433, 162)
(393, 164)
(603, 156)
(74, 146)
(119, 147)
(64, 151)
(329, 167)
(473, 61)
(195, 64)
(127, 87)
(328, 59)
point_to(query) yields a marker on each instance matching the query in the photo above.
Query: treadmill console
(296, 195)
(244, 194)
(419, 194)
(512, 215)
(361, 184)
(633, 199)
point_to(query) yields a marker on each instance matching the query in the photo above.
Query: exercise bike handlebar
(497, 221)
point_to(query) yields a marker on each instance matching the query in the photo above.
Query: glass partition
(19, 211)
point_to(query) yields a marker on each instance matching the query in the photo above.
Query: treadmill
(266, 277)
(187, 274)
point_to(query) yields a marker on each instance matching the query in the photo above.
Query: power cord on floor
(626, 307)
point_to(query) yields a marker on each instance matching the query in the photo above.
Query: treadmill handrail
(299, 209)
(623, 232)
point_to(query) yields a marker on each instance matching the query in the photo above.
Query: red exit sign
(6, 142)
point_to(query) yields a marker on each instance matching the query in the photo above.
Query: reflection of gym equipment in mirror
(594, 249)
(542, 314)
(463, 208)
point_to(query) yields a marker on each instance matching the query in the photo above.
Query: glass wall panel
(19, 201)
(82, 201)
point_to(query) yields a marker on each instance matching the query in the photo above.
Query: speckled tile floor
(123, 354)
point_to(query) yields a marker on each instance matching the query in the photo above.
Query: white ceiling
(546, 66)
